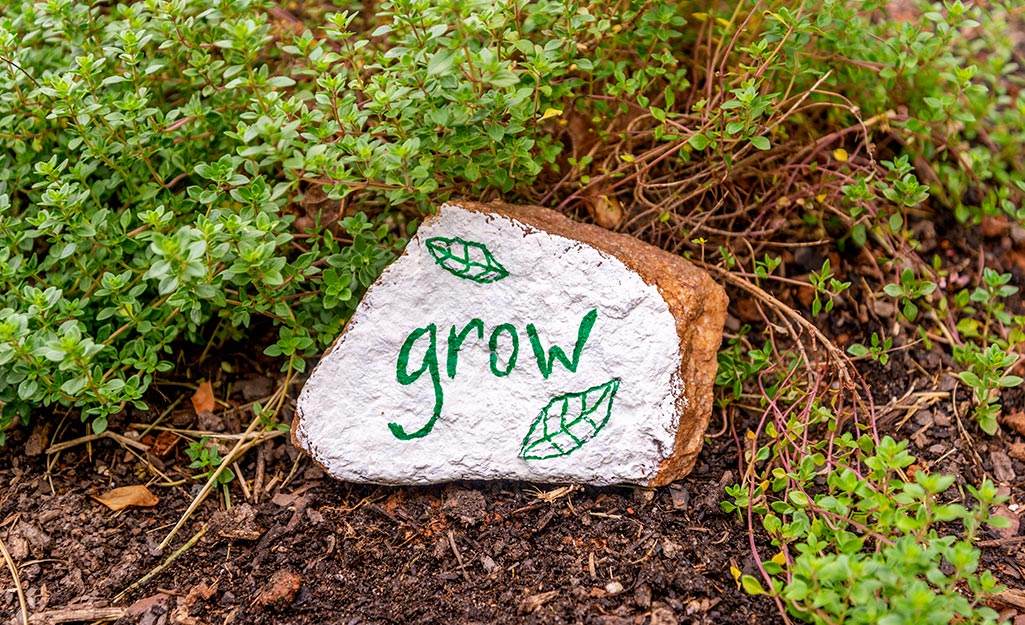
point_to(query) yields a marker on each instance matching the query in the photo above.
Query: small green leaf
(466, 259)
(798, 499)
(698, 142)
(281, 81)
(99, 425)
(751, 585)
(857, 350)
(569, 421)
(910, 310)
(226, 476)
(998, 522)
(761, 143)
(440, 62)
(504, 78)
(970, 378)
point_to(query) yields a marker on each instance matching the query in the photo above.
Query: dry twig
(77, 615)
(244, 444)
(459, 557)
(163, 565)
(17, 582)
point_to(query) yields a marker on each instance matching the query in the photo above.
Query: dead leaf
(1003, 470)
(163, 444)
(680, 496)
(284, 500)
(38, 441)
(203, 399)
(606, 210)
(121, 498)
(280, 589)
(582, 133)
(533, 602)
(1013, 522)
(1016, 451)
(1015, 421)
(201, 592)
(1010, 596)
(146, 604)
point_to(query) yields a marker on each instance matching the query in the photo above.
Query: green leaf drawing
(569, 421)
(466, 259)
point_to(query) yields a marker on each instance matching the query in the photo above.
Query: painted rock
(512, 343)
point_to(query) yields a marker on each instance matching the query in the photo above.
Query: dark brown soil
(311, 550)
(317, 550)
(322, 550)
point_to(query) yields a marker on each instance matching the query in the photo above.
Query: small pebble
(488, 564)
(924, 417)
(642, 596)
(670, 549)
(680, 496)
(1017, 234)
(884, 308)
(613, 588)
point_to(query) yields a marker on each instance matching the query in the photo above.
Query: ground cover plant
(178, 172)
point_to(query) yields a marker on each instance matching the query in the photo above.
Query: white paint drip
(552, 282)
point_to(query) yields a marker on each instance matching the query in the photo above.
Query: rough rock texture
(449, 367)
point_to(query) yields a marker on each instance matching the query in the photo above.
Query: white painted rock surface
(512, 343)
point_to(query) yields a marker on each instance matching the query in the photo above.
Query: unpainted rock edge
(695, 300)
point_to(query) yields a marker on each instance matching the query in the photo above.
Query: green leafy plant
(827, 287)
(206, 457)
(737, 365)
(988, 298)
(986, 375)
(176, 171)
(910, 288)
(877, 350)
(990, 336)
(170, 170)
(765, 267)
(859, 542)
